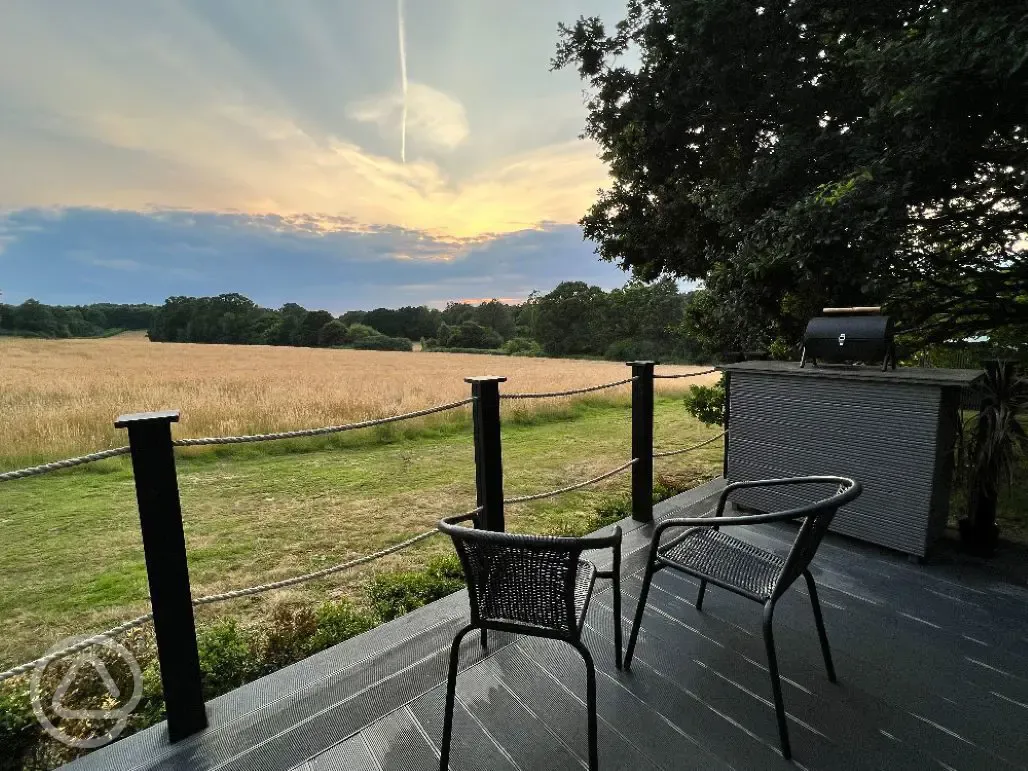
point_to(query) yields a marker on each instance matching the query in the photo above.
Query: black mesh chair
(533, 585)
(705, 552)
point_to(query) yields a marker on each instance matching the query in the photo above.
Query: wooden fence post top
(641, 363)
(486, 379)
(167, 416)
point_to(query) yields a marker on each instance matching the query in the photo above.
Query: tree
(471, 334)
(311, 326)
(333, 333)
(497, 316)
(572, 319)
(801, 153)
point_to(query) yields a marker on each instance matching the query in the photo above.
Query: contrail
(403, 82)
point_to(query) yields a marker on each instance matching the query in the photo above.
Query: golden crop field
(61, 397)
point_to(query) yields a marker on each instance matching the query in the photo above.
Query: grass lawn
(70, 545)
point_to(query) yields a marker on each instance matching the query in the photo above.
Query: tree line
(35, 319)
(638, 320)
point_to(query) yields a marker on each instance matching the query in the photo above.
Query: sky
(337, 153)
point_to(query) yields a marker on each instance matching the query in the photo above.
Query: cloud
(88, 255)
(434, 119)
(294, 110)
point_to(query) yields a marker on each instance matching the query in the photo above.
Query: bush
(19, 730)
(360, 331)
(383, 343)
(338, 622)
(707, 403)
(522, 346)
(393, 594)
(227, 657)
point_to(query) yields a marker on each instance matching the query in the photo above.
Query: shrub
(707, 403)
(522, 346)
(337, 622)
(360, 331)
(383, 343)
(19, 730)
(227, 657)
(393, 594)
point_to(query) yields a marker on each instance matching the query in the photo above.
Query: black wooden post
(728, 413)
(164, 546)
(488, 458)
(642, 440)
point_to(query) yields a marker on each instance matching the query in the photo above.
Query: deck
(932, 664)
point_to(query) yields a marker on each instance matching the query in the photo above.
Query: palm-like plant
(998, 444)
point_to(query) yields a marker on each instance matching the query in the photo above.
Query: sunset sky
(336, 153)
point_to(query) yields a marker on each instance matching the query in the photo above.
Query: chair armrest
(470, 517)
(723, 498)
(612, 541)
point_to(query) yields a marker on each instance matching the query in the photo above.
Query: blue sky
(336, 153)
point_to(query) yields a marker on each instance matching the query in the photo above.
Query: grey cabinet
(893, 431)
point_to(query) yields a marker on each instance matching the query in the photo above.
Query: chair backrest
(526, 580)
(814, 522)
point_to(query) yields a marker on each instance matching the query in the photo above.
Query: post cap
(166, 416)
(641, 363)
(486, 379)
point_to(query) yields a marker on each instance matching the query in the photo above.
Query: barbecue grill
(849, 335)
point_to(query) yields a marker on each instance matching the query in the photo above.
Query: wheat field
(61, 397)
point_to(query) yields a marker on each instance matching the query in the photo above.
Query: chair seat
(725, 560)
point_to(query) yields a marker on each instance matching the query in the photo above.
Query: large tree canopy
(800, 153)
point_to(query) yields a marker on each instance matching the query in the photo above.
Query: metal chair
(533, 585)
(715, 557)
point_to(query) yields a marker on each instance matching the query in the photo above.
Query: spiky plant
(998, 444)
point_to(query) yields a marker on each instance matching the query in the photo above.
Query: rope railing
(570, 392)
(319, 431)
(569, 488)
(669, 453)
(683, 374)
(223, 596)
(62, 464)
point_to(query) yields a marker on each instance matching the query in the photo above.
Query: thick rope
(213, 598)
(318, 431)
(562, 490)
(59, 464)
(688, 449)
(686, 374)
(572, 392)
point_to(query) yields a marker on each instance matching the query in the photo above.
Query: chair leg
(590, 674)
(819, 620)
(776, 685)
(485, 638)
(451, 694)
(617, 620)
(650, 570)
(699, 595)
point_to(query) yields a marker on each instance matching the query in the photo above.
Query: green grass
(70, 544)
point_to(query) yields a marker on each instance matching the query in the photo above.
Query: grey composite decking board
(398, 743)
(917, 375)
(852, 708)
(472, 746)
(353, 754)
(910, 695)
(563, 713)
(903, 682)
(883, 433)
